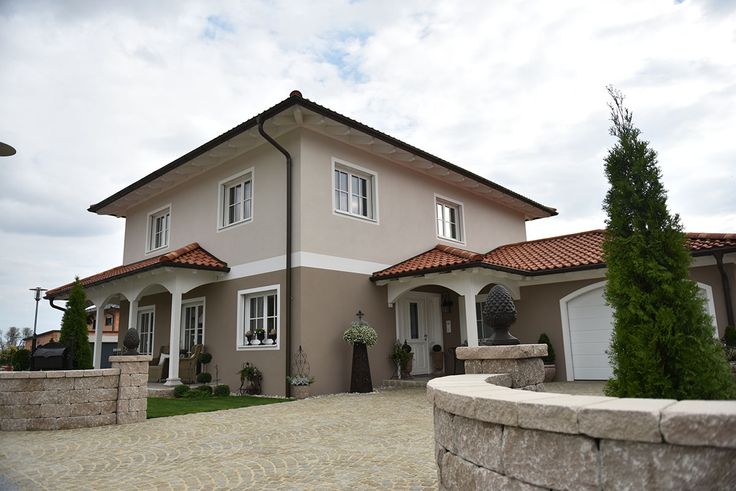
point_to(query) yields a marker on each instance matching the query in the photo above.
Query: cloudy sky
(94, 95)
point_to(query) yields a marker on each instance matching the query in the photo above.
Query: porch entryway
(419, 323)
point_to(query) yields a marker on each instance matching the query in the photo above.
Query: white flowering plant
(360, 332)
(300, 380)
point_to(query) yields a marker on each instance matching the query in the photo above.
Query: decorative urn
(499, 312)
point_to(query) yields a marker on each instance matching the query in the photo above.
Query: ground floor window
(192, 324)
(258, 318)
(484, 331)
(145, 329)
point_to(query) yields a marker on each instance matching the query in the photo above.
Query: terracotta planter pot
(438, 360)
(550, 371)
(300, 391)
(406, 372)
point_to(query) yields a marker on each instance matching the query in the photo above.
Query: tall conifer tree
(74, 328)
(663, 344)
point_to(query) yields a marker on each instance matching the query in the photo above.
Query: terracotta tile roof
(566, 251)
(550, 255)
(189, 256)
(438, 258)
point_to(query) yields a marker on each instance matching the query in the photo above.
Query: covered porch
(152, 295)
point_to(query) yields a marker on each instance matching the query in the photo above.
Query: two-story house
(295, 220)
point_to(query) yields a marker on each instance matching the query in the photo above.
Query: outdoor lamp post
(38, 291)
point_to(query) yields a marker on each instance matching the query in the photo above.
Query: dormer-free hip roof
(298, 111)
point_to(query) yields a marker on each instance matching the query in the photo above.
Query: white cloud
(98, 94)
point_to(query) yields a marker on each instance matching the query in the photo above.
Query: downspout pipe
(51, 302)
(726, 287)
(288, 283)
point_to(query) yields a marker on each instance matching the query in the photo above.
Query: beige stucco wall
(194, 210)
(406, 214)
(326, 305)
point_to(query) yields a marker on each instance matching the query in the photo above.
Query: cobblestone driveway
(381, 440)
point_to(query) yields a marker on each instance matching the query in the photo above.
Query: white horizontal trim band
(304, 260)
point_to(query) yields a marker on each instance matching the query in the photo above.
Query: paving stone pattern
(369, 441)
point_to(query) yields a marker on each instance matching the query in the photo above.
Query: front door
(419, 318)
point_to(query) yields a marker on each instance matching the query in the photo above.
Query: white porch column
(99, 323)
(133, 315)
(174, 337)
(468, 319)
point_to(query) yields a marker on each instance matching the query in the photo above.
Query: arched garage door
(587, 324)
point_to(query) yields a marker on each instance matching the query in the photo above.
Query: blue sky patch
(215, 26)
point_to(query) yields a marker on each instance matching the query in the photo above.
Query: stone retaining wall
(489, 436)
(61, 399)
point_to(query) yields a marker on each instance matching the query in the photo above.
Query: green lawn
(159, 407)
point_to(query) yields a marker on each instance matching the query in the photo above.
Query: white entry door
(419, 325)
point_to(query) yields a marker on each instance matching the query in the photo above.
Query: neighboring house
(110, 333)
(211, 253)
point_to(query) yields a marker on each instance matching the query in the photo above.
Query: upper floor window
(354, 191)
(158, 229)
(108, 320)
(449, 219)
(236, 199)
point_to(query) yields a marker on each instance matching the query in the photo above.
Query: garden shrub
(662, 344)
(550, 358)
(21, 360)
(74, 333)
(204, 378)
(729, 336)
(222, 390)
(181, 391)
(206, 389)
(205, 358)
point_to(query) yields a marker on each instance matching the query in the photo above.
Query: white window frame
(148, 309)
(152, 216)
(460, 224)
(190, 302)
(242, 317)
(372, 195)
(247, 175)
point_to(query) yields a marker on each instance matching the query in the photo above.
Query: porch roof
(191, 256)
(583, 250)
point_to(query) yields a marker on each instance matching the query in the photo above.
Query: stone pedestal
(523, 363)
(133, 389)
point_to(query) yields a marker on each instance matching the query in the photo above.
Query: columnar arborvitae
(74, 328)
(663, 344)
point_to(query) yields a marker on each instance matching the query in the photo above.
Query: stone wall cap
(700, 423)
(126, 358)
(511, 352)
(624, 419)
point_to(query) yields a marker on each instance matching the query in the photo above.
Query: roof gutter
(288, 282)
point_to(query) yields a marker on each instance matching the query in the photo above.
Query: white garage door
(590, 325)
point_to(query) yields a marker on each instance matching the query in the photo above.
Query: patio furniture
(188, 365)
(158, 369)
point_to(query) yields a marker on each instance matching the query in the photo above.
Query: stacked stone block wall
(61, 399)
(489, 436)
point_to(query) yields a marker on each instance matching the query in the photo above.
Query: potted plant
(272, 335)
(301, 380)
(550, 369)
(248, 336)
(361, 336)
(260, 334)
(401, 358)
(406, 370)
(253, 376)
(300, 385)
(438, 358)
